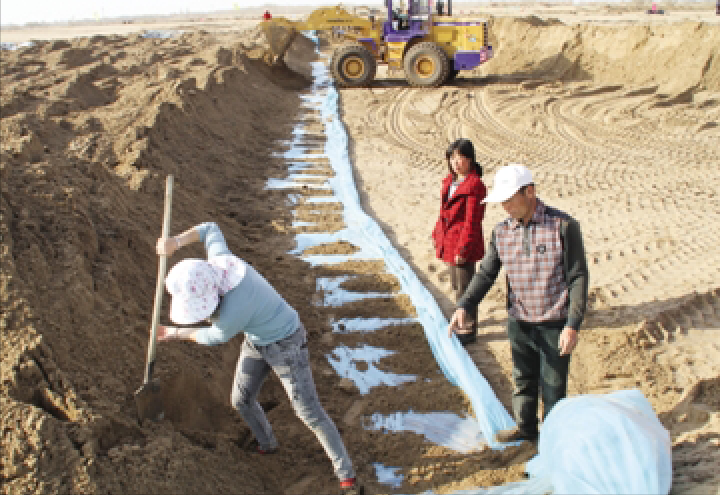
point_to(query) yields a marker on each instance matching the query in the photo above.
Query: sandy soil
(631, 150)
(91, 126)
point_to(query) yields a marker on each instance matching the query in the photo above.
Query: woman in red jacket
(458, 234)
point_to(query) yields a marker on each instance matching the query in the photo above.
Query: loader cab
(420, 14)
(399, 19)
(411, 22)
(422, 7)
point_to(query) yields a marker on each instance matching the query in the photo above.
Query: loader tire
(426, 65)
(353, 66)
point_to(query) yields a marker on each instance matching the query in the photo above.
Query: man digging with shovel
(234, 298)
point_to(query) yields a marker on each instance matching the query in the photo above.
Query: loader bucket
(279, 38)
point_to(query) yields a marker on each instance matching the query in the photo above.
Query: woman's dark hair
(466, 149)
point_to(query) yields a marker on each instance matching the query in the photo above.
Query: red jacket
(458, 231)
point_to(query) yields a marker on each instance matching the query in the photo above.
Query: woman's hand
(175, 333)
(166, 333)
(166, 246)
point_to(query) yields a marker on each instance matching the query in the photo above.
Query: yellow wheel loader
(431, 47)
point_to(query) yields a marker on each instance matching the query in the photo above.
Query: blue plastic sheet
(10, 45)
(365, 233)
(441, 428)
(344, 361)
(161, 34)
(597, 444)
(604, 444)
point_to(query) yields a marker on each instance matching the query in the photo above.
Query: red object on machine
(267, 15)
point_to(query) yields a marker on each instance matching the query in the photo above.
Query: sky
(25, 11)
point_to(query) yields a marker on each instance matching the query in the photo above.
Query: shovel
(148, 398)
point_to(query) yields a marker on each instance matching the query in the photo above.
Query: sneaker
(351, 487)
(266, 451)
(515, 435)
(254, 446)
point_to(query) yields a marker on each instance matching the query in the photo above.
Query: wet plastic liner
(11, 45)
(161, 34)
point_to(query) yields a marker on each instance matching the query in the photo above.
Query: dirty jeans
(289, 359)
(537, 364)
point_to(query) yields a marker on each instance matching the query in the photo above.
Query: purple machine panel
(415, 30)
(369, 41)
(470, 60)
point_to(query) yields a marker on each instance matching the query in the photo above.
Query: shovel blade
(148, 401)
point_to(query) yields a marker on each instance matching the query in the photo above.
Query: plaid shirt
(533, 261)
(545, 265)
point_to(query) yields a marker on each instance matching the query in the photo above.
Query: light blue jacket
(253, 306)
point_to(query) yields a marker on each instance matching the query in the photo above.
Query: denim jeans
(289, 359)
(538, 367)
(460, 276)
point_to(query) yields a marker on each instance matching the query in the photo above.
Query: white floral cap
(230, 271)
(196, 286)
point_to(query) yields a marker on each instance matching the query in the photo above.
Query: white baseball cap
(508, 180)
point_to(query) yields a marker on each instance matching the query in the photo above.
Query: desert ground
(617, 114)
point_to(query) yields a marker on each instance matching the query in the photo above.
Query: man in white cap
(542, 251)
(234, 298)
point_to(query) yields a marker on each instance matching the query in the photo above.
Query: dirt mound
(84, 157)
(634, 55)
(90, 129)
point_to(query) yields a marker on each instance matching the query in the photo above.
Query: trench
(332, 230)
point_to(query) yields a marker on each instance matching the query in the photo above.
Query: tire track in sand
(648, 207)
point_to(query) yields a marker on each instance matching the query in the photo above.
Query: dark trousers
(460, 276)
(537, 367)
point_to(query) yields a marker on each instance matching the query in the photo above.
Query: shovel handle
(162, 268)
